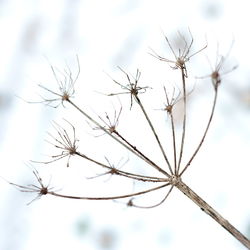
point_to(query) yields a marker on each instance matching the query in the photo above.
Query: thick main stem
(211, 212)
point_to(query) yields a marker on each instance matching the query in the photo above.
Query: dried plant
(169, 175)
(39, 189)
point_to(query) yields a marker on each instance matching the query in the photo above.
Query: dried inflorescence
(66, 141)
(132, 87)
(171, 101)
(39, 189)
(109, 123)
(183, 55)
(216, 70)
(169, 172)
(66, 86)
(67, 144)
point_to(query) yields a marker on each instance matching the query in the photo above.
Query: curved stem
(107, 197)
(157, 204)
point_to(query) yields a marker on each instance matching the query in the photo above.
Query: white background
(107, 34)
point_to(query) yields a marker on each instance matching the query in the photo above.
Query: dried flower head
(216, 70)
(110, 123)
(132, 87)
(64, 142)
(66, 86)
(40, 189)
(112, 169)
(171, 101)
(183, 55)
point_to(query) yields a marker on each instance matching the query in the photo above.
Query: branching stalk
(116, 139)
(143, 155)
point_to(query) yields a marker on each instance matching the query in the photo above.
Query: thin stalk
(154, 132)
(139, 152)
(159, 203)
(174, 142)
(123, 173)
(205, 133)
(116, 139)
(212, 213)
(107, 197)
(184, 117)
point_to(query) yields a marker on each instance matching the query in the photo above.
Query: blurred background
(104, 35)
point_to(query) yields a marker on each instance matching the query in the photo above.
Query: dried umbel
(131, 87)
(183, 56)
(40, 189)
(66, 86)
(170, 172)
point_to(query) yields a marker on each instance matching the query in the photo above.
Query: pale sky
(104, 35)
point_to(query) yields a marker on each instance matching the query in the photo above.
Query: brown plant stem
(108, 197)
(123, 173)
(183, 76)
(212, 213)
(154, 132)
(140, 153)
(131, 149)
(174, 142)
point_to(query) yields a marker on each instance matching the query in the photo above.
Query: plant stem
(212, 213)
(140, 153)
(123, 173)
(108, 197)
(204, 135)
(183, 75)
(131, 149)
(154, 132)
(174, 143)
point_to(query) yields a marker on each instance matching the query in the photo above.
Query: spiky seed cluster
(64, 142)
(132, 87)
(183, 55)
(66, 86)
